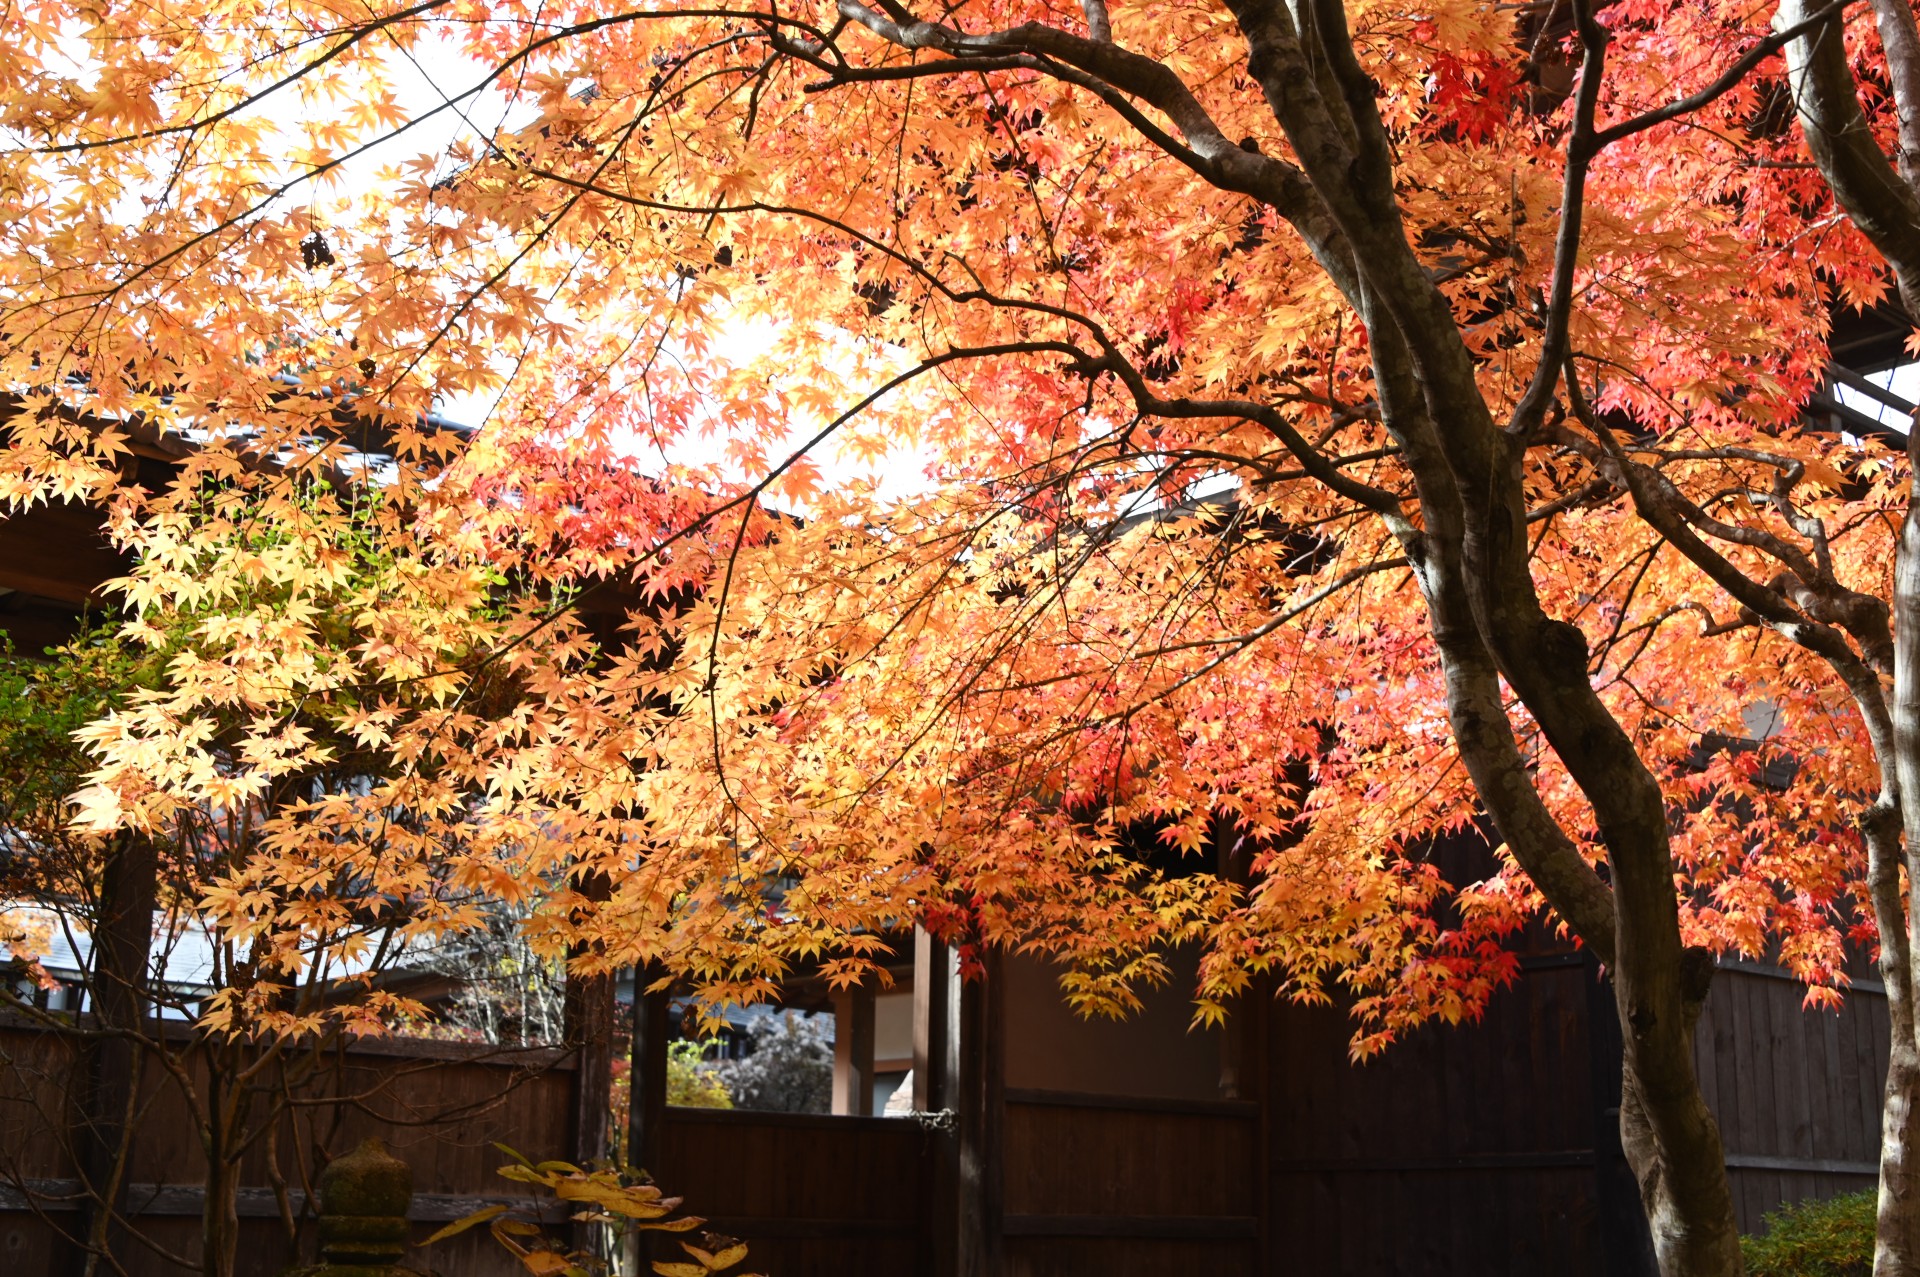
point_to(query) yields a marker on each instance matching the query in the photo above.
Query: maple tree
(153, 954)
(1495, 319)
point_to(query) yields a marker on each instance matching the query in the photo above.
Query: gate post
(935, 1081)
(981, 1118)
(853, 1014)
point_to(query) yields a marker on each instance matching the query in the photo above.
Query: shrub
(693, 1081)
(789, 1067)
(1831, 1238)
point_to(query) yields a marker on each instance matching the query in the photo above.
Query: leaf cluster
(1831, 1238)
(625, 1199)
(1121, 550)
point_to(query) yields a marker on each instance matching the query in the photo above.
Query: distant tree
(508, 994)
(789, 1068)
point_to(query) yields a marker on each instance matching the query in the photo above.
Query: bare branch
(1531, 411)
(1723, 83)
(1883, 204)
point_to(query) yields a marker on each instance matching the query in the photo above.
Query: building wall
(1154, 1054)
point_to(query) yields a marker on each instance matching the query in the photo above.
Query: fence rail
(440, 1105)
(1486, 1150)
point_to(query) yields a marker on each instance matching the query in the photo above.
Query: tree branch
(1879, 201)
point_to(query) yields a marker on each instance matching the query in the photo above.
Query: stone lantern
(364, 1198)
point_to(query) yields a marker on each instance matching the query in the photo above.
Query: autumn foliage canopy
(912, 492)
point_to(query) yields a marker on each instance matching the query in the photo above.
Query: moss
(1831, 1238)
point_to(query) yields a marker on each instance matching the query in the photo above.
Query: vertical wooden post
(1233, 862)
(853, 1015)
(1234, 1083)
(652, 1029)
(982, 1117)
(1259, 1086)
(936, 1064)
(647, 1080)
(935, 1029)
(589, 1030)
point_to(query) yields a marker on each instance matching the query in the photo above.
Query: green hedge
(1832, 1238)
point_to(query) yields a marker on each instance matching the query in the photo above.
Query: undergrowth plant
(1831, 1238)
(624, 1200)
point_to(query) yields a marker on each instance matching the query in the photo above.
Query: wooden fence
(1797, 1092)
(846, 1196)
(1493, 1148)
(1130, 1187)
(440, 1106)
(1469, 1150)
(1093, 1185)
(1465, 1152)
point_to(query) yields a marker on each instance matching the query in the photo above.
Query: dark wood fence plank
(440, 1114)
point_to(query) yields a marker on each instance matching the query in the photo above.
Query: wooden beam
(148, 1201)
(782, 1227)
(981, 1119)
(1260, 1064)
(934, 1035)
(587, 1025)
(853, 1015)
(651, 1030)
(589, 1031)
(936, 1074)
(1247, 1109)
(647, 1098)
(1172, 1227)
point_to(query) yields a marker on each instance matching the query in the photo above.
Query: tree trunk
(1670, 1138)
(1883, 202)
(1668, 1134)
(223, 1138)
(122, 947)
(1897, 1235)
(220, 1220)
(1896, 1250)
